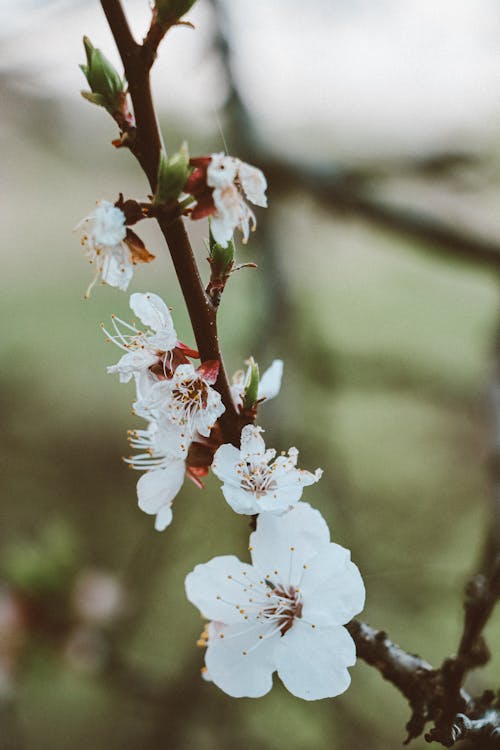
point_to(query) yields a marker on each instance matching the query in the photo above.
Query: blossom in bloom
(285, 612)
(152, 354)
(254, 480)
(112, 247)
(269, 383)
(162, 450)
(220, 185)
(186, 399)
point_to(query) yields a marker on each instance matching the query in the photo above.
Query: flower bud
(251, 394)
(168, 12)
(106, 86)
(221, 258)
(172, 175)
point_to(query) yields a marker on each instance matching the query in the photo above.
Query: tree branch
(437, 695)
(146, 147)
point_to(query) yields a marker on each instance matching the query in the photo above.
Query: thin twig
(146, 147)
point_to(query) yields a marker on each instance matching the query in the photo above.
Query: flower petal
(332, 587)
(312, 662)
(154, 313)
(302, 528)
(163, 518)
(240, 664)
(251, 441)
(117, 269)
(217, 588)
(254, 184)
(225, 461)
(159, 487)
(240, 500)
(270, 382)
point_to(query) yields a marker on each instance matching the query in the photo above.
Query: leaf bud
(172, 175)
(107, 89)
(251, 394)
(168, 12)
(221, 258)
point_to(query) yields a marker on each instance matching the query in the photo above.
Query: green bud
(221, 258)
(106, 86)
(251, 395)
(169, 11)
(172, 175)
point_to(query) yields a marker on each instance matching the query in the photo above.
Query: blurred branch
(343, 190)
(337, 190)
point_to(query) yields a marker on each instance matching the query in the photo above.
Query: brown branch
(146, 147)
(437, 695)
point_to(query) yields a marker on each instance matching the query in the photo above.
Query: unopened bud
(172, 175)
(168, 12)
(251, 394)
(221, 258)
(106, 87)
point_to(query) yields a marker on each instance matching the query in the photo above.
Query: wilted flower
(285, 612)
(111, 246)
(254, 480)
(220, 185)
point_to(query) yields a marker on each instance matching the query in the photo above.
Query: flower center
(257, 478)
(191, 394)
(284, 606)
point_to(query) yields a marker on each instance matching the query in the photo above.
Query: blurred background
(378, 125)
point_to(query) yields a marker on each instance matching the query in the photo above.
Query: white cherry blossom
(144, 349)
(186, 399)
(232, 180)
(103, 239)
(269, 383)
(162, 449)
(285, 612)
(254, 480)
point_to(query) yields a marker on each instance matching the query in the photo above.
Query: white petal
(163, 518)
(302, 528)
(117, 269)
(132, 362)
(312, 662)
(221, 172)
(238, 674)
(270, 382)
(217, 588)
(251, 441)
(254, 184)
(332, 587)
(225, 462)
(158, 487)
(154, 313)
(240, 500)
(222, 229)
(108, 224)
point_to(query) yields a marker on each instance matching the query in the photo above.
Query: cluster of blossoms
(286, 610)
(216, 186)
